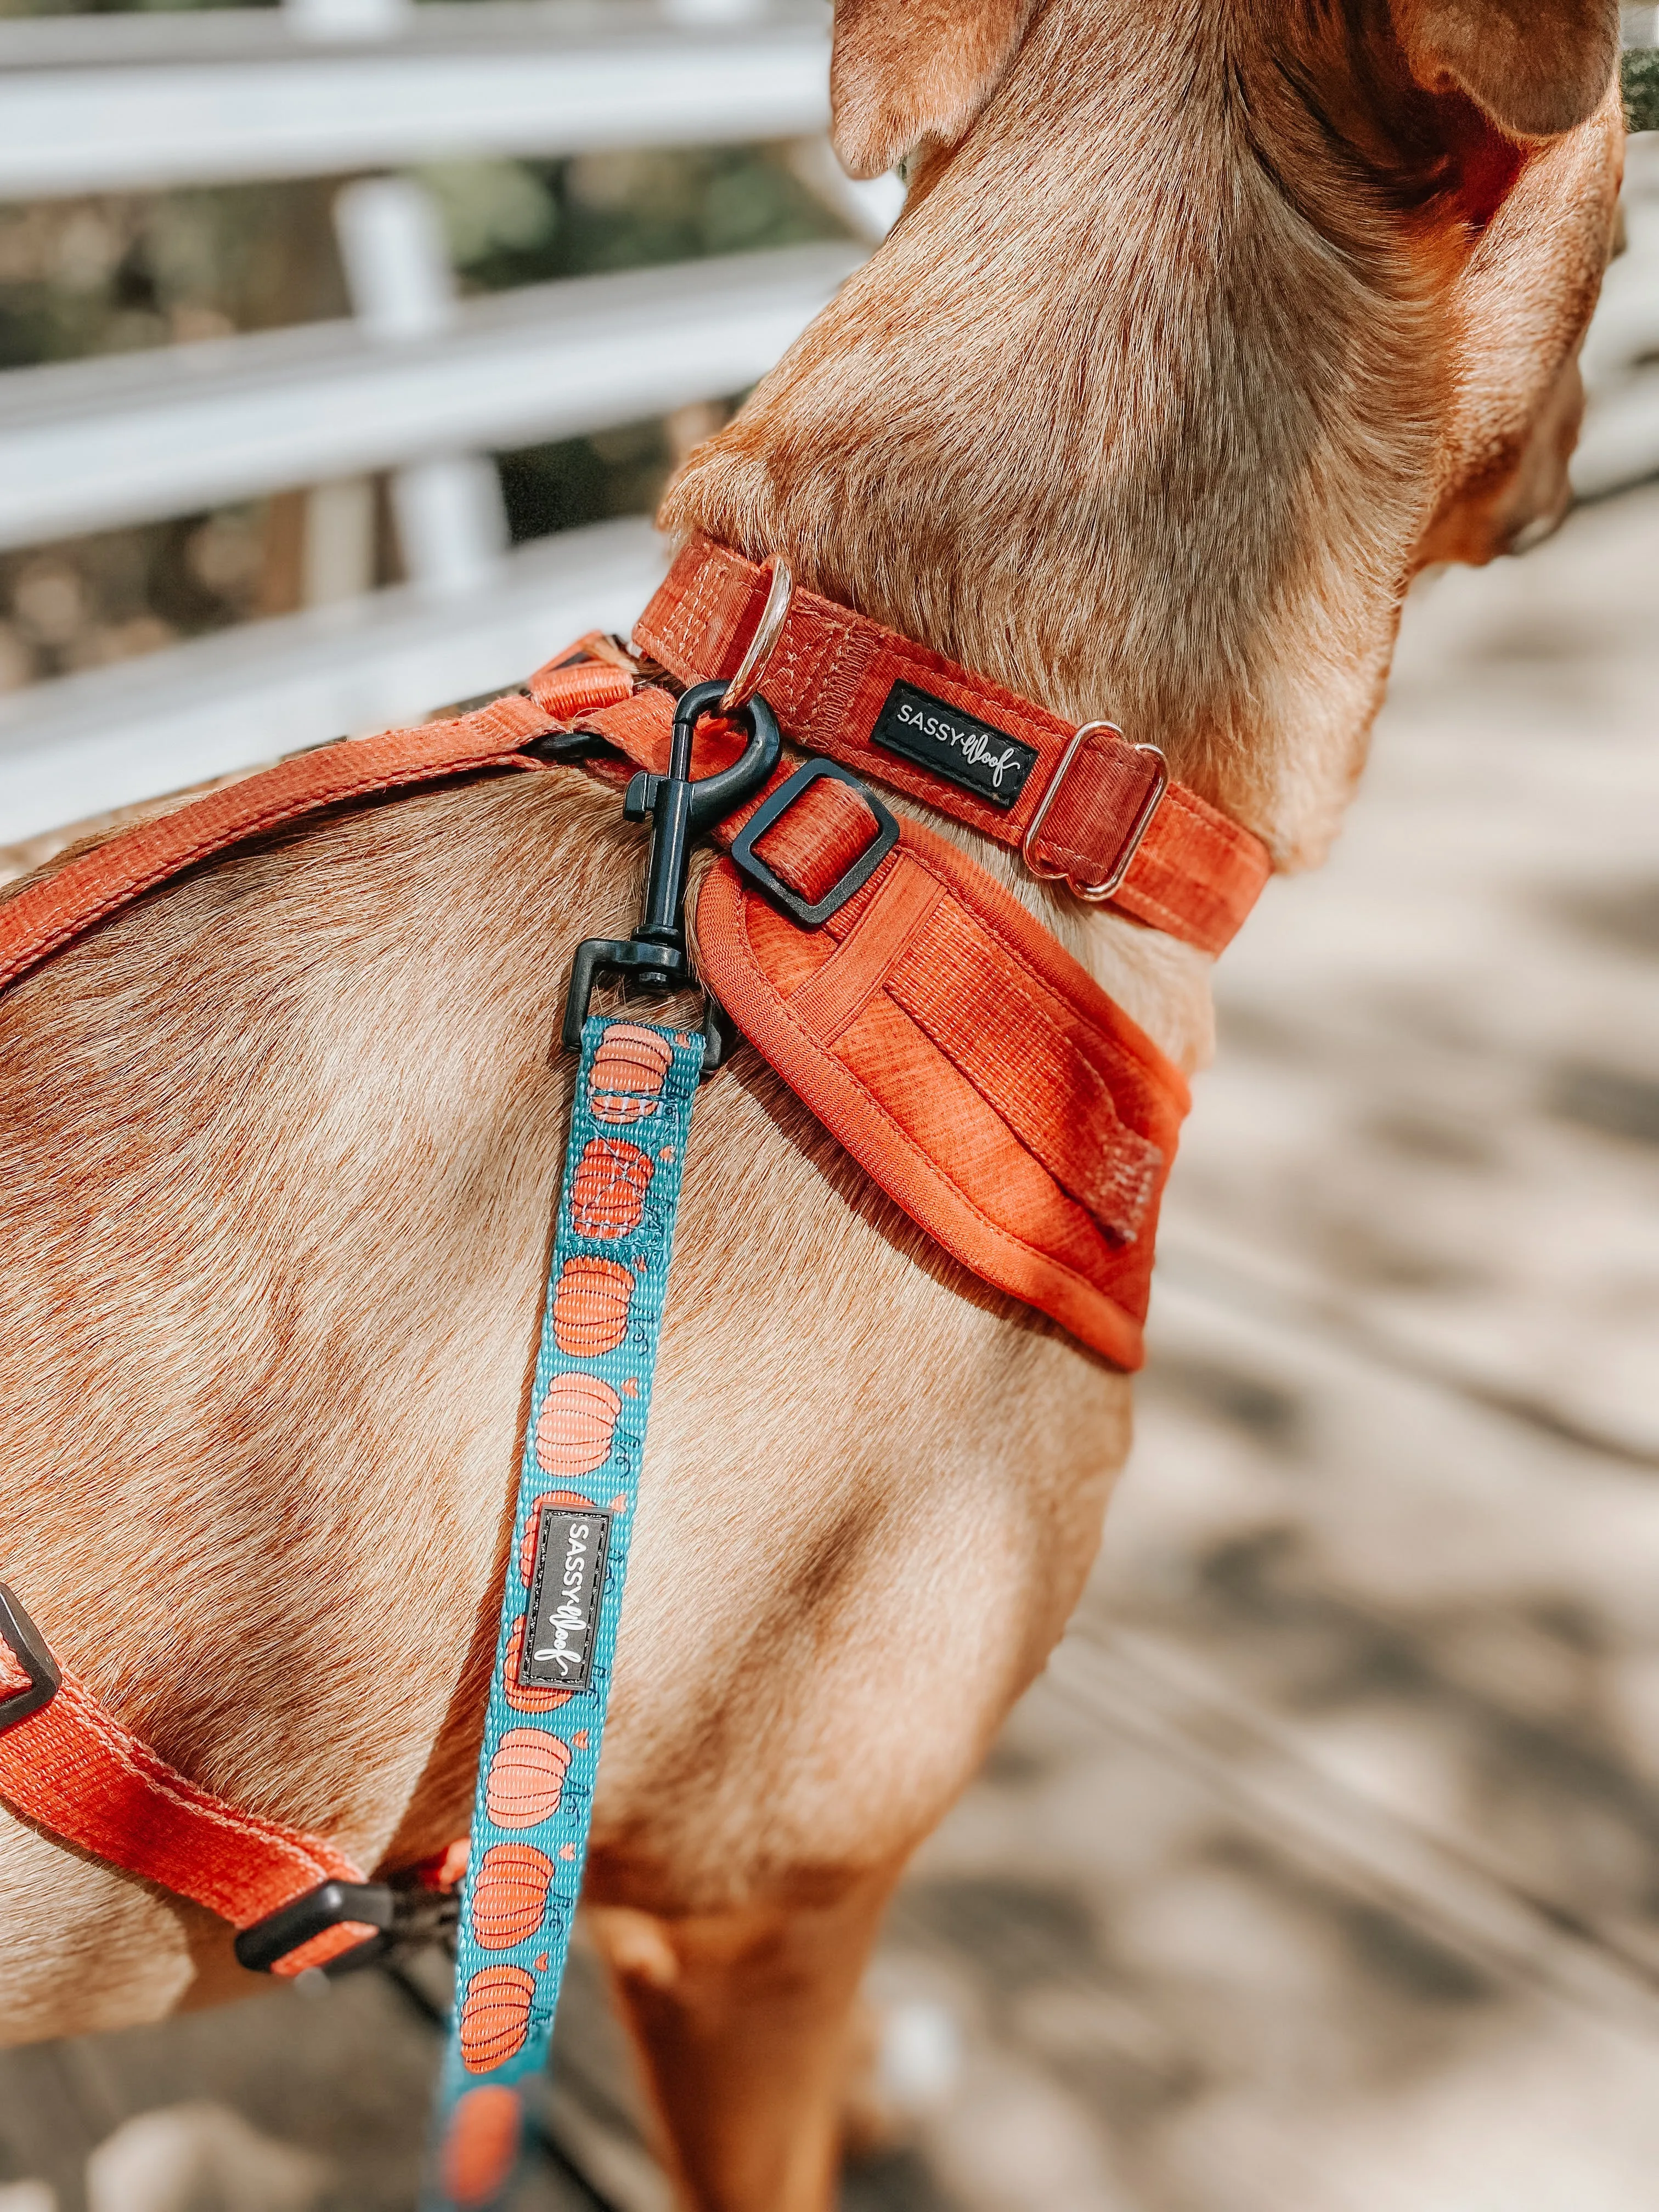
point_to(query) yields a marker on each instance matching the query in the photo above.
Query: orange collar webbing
(1087, 806)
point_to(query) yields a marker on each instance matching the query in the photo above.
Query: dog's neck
(1109, 421)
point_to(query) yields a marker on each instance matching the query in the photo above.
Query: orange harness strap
(64, 905)
(70, 1767)
(967, 1063)
(1085, 806)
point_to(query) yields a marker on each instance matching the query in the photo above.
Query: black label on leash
(940, 737)
(564, 1600)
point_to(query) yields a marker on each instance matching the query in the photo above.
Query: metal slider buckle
(1093, 893)
(28, 1647)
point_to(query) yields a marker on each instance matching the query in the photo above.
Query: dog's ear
(1536, 67)
(906, 71)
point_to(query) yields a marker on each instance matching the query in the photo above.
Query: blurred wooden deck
(1319, 1873)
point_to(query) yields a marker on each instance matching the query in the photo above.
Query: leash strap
(578, 1484)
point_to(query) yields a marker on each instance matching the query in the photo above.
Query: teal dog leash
(578, 1486)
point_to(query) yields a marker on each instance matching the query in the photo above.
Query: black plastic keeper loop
(771, 811)
(269, 1941)
(28, 1647)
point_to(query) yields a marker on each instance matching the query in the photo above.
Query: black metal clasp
(28, 1648)
(679, 807)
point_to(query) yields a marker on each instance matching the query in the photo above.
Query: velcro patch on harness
(972, 1068)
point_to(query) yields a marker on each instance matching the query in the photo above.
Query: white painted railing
(98, 103)
(132, 436)
(418, 384)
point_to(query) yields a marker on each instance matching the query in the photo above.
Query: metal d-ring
(767, 630)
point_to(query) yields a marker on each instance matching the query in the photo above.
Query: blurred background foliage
(120, 272)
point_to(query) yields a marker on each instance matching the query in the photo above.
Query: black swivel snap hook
(680, 807)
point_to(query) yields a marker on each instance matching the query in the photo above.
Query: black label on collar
(943, 739)
(564, 1600)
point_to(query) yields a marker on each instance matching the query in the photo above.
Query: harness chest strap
(62, 905)
(975, 1070)
(36, 922)
(69, 1766)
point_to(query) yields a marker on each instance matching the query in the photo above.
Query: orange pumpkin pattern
(627, 1077)
(527, 1778)
(575, 1427)
(528, 1697)
(580, 1459)
(590, 1307)
(481, 2144)
(607, 1191)
(510, 1895)
(495, 2017)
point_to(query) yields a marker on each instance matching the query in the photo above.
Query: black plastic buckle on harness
(679, 807)
(803, 913)
(402, 1919)
(28, 1647)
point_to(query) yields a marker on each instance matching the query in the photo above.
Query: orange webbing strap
(68, 1766)
(52, 913)
(966, 1061)
(830, 680)
(76, 1773)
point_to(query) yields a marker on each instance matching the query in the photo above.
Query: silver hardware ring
(1093, 893)
(767, 630)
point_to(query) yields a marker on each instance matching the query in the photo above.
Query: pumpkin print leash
(578, 1486)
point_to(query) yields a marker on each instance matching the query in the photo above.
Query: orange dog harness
(967, 1063)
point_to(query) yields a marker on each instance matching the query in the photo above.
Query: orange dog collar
(1083, 805)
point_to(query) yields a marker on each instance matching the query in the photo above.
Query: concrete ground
(1319, 1873)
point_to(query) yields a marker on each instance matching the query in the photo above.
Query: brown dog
(1205, 326)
